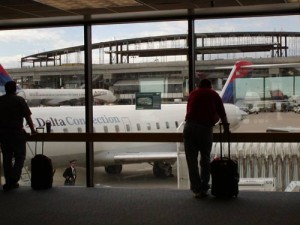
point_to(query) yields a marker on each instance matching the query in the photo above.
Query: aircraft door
(127, 124)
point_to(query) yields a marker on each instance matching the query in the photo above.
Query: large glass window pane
(265, 86)
(135, 59)
(49, 70)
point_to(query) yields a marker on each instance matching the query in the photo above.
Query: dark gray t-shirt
(13, 109)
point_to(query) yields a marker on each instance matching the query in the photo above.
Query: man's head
(10, 87)
(73, 162)
(205, 83)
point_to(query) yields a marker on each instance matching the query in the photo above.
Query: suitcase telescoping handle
(221, 139)
(35, 148)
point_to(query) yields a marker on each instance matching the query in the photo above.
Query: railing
(158, 137)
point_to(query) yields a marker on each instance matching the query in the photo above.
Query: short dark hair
(10, 87)
(205, 83)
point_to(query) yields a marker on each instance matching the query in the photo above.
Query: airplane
(55, 97)
(121, 118)
(251, 102)
(288, 129)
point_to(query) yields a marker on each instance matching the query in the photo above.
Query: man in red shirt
(204, 109)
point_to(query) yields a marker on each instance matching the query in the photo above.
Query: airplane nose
(113, 98)
(244, 115)
(21, 94)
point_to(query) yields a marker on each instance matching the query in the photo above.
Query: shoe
(8, 187)
(201, 194)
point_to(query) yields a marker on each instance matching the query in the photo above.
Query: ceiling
(39, 13)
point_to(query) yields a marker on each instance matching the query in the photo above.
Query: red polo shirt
(205, 107)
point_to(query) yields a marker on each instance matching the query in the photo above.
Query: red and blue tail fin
(4, 77)
(240, 69)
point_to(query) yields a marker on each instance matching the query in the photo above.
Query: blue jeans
(13, 145)
(198, 138)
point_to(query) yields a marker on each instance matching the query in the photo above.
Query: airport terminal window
(248, 87)
(175, 88)
(126, 74)
(250, 92)
(279, 87)
(297, 86)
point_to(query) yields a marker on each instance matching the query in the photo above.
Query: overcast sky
(15, 44)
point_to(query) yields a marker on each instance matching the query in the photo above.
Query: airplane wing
(287, 129)
(145, 157)
(138, 157)
(57, 102)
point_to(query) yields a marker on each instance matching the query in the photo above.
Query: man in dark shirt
(204, 109)
(70, 173)
(13, 109)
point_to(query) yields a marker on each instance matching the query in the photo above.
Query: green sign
(148, 100)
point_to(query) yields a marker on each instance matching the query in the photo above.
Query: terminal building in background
(159, 64)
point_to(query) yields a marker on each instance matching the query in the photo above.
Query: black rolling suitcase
(224, 174)
(41, 170)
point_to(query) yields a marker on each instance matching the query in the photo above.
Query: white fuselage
(113, 119)
(56, 97)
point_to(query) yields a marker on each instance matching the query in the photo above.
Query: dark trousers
(198, 139)
(13, 145)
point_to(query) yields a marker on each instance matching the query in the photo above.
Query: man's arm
(225, 124)
(222, 114)
(30, 124)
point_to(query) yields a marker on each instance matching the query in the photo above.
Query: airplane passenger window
(176, 124)
(138, 127)
(167, 125)
(79, 129)
(105, 128)
(148, 126)
(117, 128)
(65, 130)
(127, 127)
(157, 126)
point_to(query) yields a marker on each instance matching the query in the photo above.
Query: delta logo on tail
(4, 77)
(239, 70)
